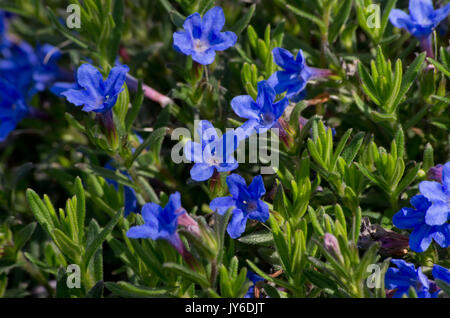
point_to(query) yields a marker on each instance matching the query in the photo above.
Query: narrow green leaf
(127, 290)
(98, 240)
(188, 274)
(243, 22)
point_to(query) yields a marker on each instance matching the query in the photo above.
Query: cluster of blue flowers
(405, 276)
(24, 71)
(421, 21)
(36, 70)
(430, 216)
(429, 221)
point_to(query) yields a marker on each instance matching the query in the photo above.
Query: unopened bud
(332, 246)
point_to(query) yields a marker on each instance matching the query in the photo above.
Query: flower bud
(332, 246)
(435, 173)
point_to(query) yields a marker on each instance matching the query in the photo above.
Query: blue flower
(422, 18)
(423, 233)
(212, 154)
(95, 94)
(295, 76)
(254, 279)
(34, 70)
(439, 196)
(262, 114)
(160, 223)
(4, 38)
(246, 202)
(202, 37)
(12, 108)
(406, 276)
(441, 273)
(19, 59)
(131, 203)
(46, 70)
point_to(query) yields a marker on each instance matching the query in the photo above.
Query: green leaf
(81, 207)
(409, 77)
(368, 84)
(96, 291)
(340, 20)
(98, 240)
(63, 30)
(428, 157)
(22, 237)
(306, 15)
(176, 17)
(243, 22)
(72, 250)
(444, 286)
(135, 108)
(340, 148)
(407, 180)
(390, 103)
(155, 138)
(40, 211)
(127, 290)
(258, 238)
(188, 274)
(439, 66)
(116, 34)
(352, 149)
(320, 280)
(106, 173)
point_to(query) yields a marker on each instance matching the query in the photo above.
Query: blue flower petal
(285, 59)
(237, 224)
(193, 151)
(256, 188)
(174, 205)
(205, 57)
(222, 204)
(201, 171)
(237, 186)
(116, 79)
(421, 238)
(437, 214)
(213, 21)
(400, 19)
(441, 234)
(244, 106)
(230, 165)
(441, 14)
(193, 25)
(207, 132)
(246, 130)
(446, 178)
(266, 96)
(279, 107)
(91, 79)
(261, 214)
(408, 218)
(441, 273)
(80, 98)
(223, 41)
(421, 11)
(432, 191)
(182, 42)
(142, 231)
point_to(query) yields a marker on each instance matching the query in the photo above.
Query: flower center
(200, 46)
(267, 119)
(251, 205)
